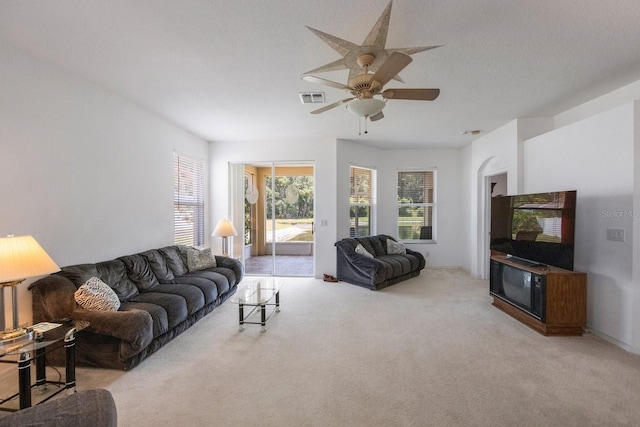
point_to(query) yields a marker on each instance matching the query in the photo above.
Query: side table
(24, 352)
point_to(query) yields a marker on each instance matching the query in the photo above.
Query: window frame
(188, 196)
(372, 196)
(433, 204)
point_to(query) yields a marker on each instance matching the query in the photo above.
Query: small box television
(519, 287)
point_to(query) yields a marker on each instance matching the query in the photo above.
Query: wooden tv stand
(565, 302)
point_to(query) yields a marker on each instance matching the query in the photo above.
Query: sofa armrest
(52, 298)
(132, 326)
(355, 268)
(422, 262)
(231, 263)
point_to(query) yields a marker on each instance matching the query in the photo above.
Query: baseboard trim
(613, 341)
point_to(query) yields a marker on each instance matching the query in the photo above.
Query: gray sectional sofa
(380, 266)
(161, 293)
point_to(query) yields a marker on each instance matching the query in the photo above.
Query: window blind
(188, 199)
(416, 205)
(362, 199)
(361, 186)
(415, 187)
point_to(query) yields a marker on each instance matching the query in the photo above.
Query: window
(188, 201)
(417, 205)
(362, 202)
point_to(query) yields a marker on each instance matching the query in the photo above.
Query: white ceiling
(231, 70)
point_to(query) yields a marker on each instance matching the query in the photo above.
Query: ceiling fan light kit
(370, 66)
(365, 107)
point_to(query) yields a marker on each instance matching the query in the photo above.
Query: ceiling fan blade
(331, 106)
(325, 82)
(377, 117)
(391, 67)
(415, 94)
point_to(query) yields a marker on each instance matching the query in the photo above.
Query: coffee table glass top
(257, 291)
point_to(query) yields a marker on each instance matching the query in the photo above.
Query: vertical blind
(188, 201)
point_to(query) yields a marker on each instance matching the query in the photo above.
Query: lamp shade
(224, 229)
(22, 257)
(365, 107)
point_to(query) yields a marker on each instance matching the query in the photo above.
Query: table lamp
(21, 257)
(224, 229)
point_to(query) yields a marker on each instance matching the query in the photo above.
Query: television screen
(516, 285)
(535, 227)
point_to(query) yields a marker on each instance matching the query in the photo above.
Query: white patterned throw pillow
(94, 294)
(200, 259)
(395, 248)
(362, 251)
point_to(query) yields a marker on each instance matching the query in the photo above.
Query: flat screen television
(535, 228)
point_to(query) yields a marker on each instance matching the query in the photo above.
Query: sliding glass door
(278, 218)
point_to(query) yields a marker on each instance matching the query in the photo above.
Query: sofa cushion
(200, 259)
(139, 271)
(208, 287)
(174, 259)
(94, 294)
(174, 306)
(219, 277)
(113, 273)
(192, 295)
(158, 265)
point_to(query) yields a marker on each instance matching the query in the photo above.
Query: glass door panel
(279, 226)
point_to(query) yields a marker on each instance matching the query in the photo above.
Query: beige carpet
(431, 351)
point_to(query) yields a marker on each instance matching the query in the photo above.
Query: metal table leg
(24, 380)
(241, 313)
(70, 360)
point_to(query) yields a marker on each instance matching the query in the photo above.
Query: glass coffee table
(256, 295)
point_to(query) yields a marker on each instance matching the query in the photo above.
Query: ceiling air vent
(312, 97)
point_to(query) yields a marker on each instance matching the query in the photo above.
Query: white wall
(88, 174)
(635, 271)
(448, 163)
(492, 154)
(595, 156)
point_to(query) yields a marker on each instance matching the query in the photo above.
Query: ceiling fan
(366, 86)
